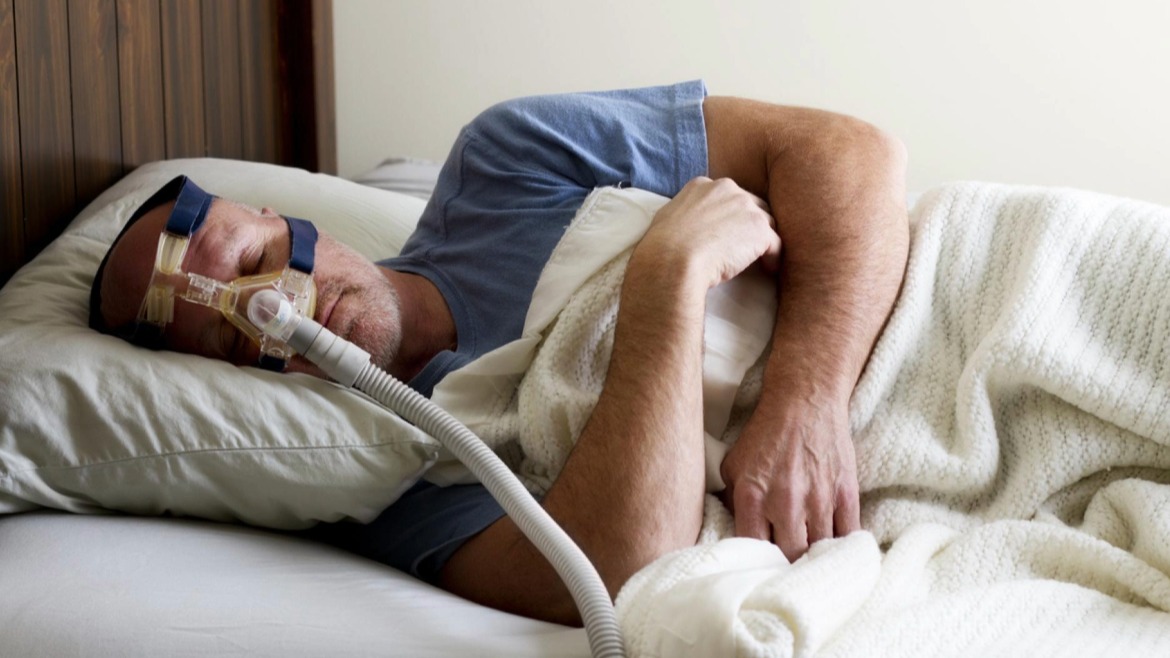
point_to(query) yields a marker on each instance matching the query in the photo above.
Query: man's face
(354, 298)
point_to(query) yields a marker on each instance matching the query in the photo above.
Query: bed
(1013, 426)
(89, 92)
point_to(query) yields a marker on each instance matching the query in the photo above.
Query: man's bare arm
(633, 486)
(631, 489)
(836, 187)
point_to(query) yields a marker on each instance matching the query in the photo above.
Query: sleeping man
(833, 228)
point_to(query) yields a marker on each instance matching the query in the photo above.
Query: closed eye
(260, 261)
(255, 261)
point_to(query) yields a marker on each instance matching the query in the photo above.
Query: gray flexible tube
(584, 583)
(350, 365)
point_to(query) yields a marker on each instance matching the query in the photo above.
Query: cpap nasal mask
(168, 282)
(349, 365)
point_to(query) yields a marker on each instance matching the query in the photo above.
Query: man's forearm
(633, 485)
(639, 460)
(836, 186)
(840, 206)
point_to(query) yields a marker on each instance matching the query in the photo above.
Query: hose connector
(340, 359)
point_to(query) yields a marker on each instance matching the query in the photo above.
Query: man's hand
(714, 229)
(791, 477)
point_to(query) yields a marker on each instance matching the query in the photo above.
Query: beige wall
(1055, 92)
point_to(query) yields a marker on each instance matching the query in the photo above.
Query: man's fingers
(820, 520)
(770, 260)
(748, 510)
(789, 516)
(763, 205)
(794, 524)
(792, 538)
(847, 517)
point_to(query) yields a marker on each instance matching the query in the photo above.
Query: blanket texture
(1013, 441)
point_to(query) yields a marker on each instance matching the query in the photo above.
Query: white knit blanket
(1013, 442)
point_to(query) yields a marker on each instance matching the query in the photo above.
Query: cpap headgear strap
(169, 282)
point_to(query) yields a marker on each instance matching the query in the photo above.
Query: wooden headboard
(91, 89)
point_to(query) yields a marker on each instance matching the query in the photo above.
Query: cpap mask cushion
(168, 281)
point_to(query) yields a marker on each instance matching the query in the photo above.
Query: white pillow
(90, 423)
(406, 175)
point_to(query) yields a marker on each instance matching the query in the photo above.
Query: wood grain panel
(97, 123)
(182, 56)
(46, 127)
(90, 89)
(296, 71)
(323, 94)
(141, 83)
(258, 80)
(12, 253)
(221, 77)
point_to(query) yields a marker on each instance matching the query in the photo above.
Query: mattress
(128, 586)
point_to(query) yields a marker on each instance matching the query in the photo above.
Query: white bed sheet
(124, 586)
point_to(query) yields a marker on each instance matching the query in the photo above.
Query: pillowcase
(406, 175)
(91, 423)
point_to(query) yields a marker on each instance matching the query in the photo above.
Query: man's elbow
(881, 142)
(851, 164)
(840, 153)
(890, 153)
(857, 143)
(889, 159)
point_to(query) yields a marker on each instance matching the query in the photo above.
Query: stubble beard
(372, 318)
(381, 327)
(368, 310)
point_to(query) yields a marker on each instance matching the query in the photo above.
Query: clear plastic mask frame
(169, 282)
